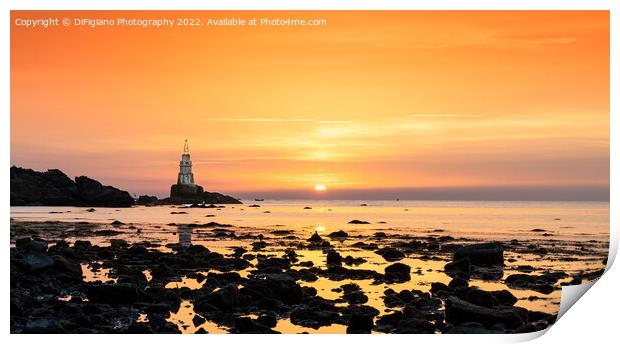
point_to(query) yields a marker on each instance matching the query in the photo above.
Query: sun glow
(320, 187)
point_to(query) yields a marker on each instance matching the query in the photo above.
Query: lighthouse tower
(186, 190)
(186, 177)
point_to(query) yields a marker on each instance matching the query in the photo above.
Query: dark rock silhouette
(198, 198)
(146, 200)
(54, 188)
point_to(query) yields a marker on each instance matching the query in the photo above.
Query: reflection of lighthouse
(185, 236)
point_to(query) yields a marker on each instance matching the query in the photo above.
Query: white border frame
(614, 6)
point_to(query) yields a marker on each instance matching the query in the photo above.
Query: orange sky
(372, 100)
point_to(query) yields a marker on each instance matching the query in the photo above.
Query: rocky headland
(54, 188)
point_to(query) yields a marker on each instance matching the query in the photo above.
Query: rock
(415, 326)
(43, 326)
(315, 238)
(358, 222)
(540, 283)
(69, 266)
(82, 244)
(137, 250)
(504, 297)
(118, 243)
(34, 245)
(271, 263)
(438, 286)
(313, 317)
(37, 261)
(390, 254)
(247, 325)
(197, 320)
(120, 293)
(223, 299)
(355, 297)
(51, 188)
(284, 288)
(481, 298)
(481, 254)
(525, 268)
(398, 272)
(94, 193)
(472, 328)
(458, 283)
(360, 323)
(398, 322)
(458, 266)
(353, 294)
(459, 311)
(269, 320)
(366, 246)
(334, 258)
(338, 235)
(147, 200)
(349, 260)
(139, 328)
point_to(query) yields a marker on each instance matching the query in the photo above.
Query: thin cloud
(444, 115)
(261, 120)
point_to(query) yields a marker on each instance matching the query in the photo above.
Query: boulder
(248, 325)
(43, 326)
(334, 258)
(481, 254)
(315, 238)
(398, 272)
(34, 245)
(360, 323)
(338, 235)
(358, 222)
(390, 254)
(481, 298)
(541, 283)
(183, 194)
(437, 287)
(37, 261)
(462, 266)
(68, 266)
(119, 293)
(504, 297)
(458, 283)
(147, 200)
(270, 319)
(459, 311)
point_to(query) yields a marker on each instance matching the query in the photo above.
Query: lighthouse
(186, 190)
(186, 177)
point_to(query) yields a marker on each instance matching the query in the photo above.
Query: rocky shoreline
(265, 282)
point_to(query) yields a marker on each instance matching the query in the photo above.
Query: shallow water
(567, 220)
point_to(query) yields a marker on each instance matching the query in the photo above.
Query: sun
(320, 187)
